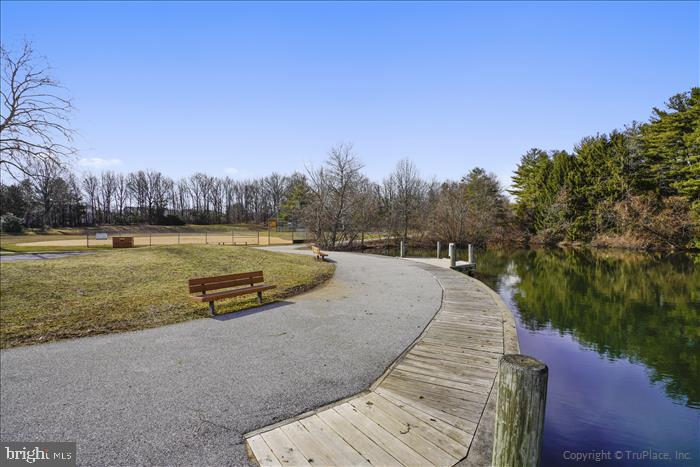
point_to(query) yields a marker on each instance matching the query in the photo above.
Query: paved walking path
(185, 394)
(39, 256)
(434, 406)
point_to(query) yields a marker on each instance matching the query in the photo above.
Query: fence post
(438, 250)
(471, 254)
(268, 235)
(150, 239)
(452, 250)
(206, 239)
(258, 237)
(520, 406)
(178, 238)
(233, 237)
(402, 249)
(87, 239)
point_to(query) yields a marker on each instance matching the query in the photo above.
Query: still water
(620, 333)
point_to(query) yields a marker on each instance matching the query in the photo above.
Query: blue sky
(247, 88)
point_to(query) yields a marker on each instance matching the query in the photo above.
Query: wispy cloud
(98, 162)
(238, 173)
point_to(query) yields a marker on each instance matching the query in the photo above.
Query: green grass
(122, 290)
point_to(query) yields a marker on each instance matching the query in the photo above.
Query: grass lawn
(122, 290)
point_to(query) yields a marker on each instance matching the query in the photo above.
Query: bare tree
(275, 187)
(121, 195)
(47, 184)
(108, 186)
(90, 186)
(333, 190)
(33, 117)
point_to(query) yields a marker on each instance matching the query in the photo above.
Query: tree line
(55, 196)
(336, 201)
(636, 187)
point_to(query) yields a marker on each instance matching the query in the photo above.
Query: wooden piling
(520, 406)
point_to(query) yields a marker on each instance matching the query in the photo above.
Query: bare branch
(34, 118)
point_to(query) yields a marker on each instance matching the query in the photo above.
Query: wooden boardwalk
(433, 406)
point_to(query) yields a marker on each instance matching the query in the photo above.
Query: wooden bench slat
(317, 251)
(208, 286)
(226, 284)
(231, 293)
(227, 277)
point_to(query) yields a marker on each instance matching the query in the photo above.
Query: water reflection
(621, 334)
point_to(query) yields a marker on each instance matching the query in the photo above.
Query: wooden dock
(433, 406)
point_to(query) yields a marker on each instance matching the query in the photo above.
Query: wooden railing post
(471, 254)
(520, 406)
(438, 250)
(402, 249)
(452, 250)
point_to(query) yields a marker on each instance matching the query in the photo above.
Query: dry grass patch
(123, 290)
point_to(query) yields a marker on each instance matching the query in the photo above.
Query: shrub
(9, 223)
(171, 219)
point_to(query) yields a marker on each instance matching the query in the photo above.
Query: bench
(319, 254)
(201, 288)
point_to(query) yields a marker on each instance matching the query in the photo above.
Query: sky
(244, 89)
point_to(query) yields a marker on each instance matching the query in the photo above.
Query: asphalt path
(185, 394)
(39, 256)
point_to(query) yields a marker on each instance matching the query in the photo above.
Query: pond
(620, 332)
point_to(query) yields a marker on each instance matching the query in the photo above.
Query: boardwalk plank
(262, 452)
(379, 435)
(328, 437)
(284, 449)
(404, 432)
(428, 431)
(358, 440)
(315, 452)
(410, 402)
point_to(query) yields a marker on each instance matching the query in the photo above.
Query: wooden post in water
(520, 404)
(452, 250)
(402, 249)
(438, 250)
(471, 254)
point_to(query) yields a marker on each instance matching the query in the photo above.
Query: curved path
(433, 406)
(185, 394)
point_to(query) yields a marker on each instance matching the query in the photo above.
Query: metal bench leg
(211, 308)
(259, 298)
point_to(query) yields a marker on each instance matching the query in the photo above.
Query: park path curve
(433, 406)
(185, 394)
